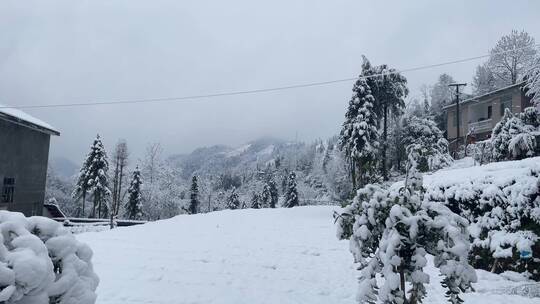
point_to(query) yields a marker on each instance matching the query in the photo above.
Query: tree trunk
(115, 184)
(402, 284)
(116, 208)
(83, 203)
(353, 177)
(494, 268)
(385, 138)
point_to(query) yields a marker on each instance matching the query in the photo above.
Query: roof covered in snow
(19, 117)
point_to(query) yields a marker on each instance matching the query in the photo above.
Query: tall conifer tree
(134, 204)
(194, 196)
(291, 195)
(359, 138)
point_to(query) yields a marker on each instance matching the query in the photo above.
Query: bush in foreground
(41, 263)
(391, 232)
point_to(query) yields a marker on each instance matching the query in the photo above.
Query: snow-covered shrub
(482, 151)
(41, 262)
(531, 116)
(391, 232)
(514, 137)
(427, 140)
(505, 219)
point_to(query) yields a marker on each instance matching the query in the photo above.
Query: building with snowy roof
(479, 115)
(24, 154)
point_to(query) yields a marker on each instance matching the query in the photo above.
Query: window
(454, 120)
(489, 112)
(506, 103)
(8, 190)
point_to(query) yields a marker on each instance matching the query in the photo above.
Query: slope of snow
(465, 172)
(238, 151)
(246, 256)
(25, 117)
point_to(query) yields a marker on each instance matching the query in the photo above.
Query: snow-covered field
(245, 256)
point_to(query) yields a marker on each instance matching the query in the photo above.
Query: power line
(191, 98)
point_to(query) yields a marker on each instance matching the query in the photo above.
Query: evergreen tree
(194, 196)
(274, 195)
(265, 197)
(98, 179)
(359, 138)
(255, 201)
(233, 201)
(389, 88)
(81, 186)
(133, 206)
(93, 179)
(501, 137)
(427, 140)
(291, 195)
(391, 232)
(531, 116)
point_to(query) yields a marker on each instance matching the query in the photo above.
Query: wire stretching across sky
(191, 98)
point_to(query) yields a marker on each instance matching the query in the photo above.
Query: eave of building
(27, 124)
(479, 97)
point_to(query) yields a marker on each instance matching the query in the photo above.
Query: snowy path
(244, 256)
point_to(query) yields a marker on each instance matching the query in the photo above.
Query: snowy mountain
(220, 158)
(319, 168)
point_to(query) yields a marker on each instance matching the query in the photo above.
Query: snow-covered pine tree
(531, 116)
(391, 232)
(98, 179)
(512, 138)
(194, 196)
(291, 195)
(500, 137)
(429, 142)
(389, 89)
(233, 201)
(265, 197)
(359, 138)
(133, 206)
(81, 186)
(523, 142)
(274, 194)
(255, 201)
(93, 179)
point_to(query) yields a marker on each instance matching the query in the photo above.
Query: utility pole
(457, 85)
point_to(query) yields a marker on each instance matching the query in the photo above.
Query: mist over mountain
(63, 167)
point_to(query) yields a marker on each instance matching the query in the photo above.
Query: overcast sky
(74, 51)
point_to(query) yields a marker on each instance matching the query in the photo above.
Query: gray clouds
(65, 51)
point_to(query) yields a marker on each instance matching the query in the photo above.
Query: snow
(238, 151)
(500, 172)
(267, 151)
(287, 255)
(40, 263)
(25, 117)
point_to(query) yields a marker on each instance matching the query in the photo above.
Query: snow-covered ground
(245, 256)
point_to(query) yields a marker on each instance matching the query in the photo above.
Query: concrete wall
(24, 155)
